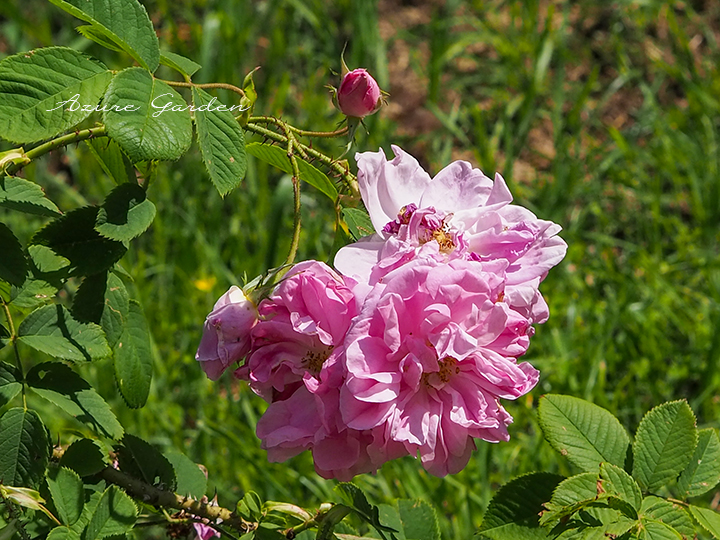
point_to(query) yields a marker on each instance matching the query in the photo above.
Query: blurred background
(603, 117)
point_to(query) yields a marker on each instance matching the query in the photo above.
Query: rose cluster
(409, 346)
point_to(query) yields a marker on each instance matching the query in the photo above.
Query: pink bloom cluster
(408, 348)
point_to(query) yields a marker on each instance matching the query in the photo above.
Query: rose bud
(226, 334)
(359, 94)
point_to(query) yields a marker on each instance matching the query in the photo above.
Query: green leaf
(10, 383)
(135, 117)
(140, 459)
(134, 359)
(250, 506)
(656, 530)
(358, 222)
(67, 492)
(419, 521)
(673, 515)
(708, 519)
(74, 237)
(63, 533)
(664, 444)
(617, 482)
(115, 513)
(46, 261)
(583, 432)
(104, 300)
(190, 479)
(85, 457)
(98, 35)
(52, 330)
(703, 472)
(513, 511)
(13, 266)
(354, 498)
(125, 23)
(112, 160)
(24, 448)
(277, 157)
(221, 142)
(569, 495)
(179, 63)
(25, 196)
(33, 293)
(62, 386)
(125, 214)
(47, 91)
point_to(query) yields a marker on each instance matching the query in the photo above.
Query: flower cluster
(408, 347)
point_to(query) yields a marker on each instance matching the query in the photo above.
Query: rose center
(447, 367)
(315, 358)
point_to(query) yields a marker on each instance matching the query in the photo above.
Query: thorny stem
(167, 499)
(332, 164)
(224, 86)
(301, 132)
(296, 196)
(65, 140)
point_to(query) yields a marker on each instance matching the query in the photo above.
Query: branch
(167, 499)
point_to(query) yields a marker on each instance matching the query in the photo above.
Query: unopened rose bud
(226, 334)
(359, 94)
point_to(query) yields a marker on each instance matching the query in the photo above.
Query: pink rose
(359, 94)
(204, 532)
(430, 355)
(460, 213)
(226, 334)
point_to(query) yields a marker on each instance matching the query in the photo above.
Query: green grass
(602, 117)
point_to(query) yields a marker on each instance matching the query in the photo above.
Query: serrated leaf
(355, 499)
(33, 293)
(664, 444)
(47, 91)
(513, 511)
(74, 237)
(358, 222)
(616, 481)
(13, 266)
(190, 479)
(46, 261)
(179, 63)
(656, 530)
(52, 330)
(98, 35)
(112, 160)
(139, 458)
(221, 141)
(10, 383)
(703, 472)
(63, 533)
(67, 492)
(135, 117)
(62, 386)
(277, 157)
(125, 23)
(25, 196)
(104, 300)
(569, 496)
(671, 514)
(85, 457)
(133, 358)
(4, 335)
(419, 521)
(125, 214)
(115, 513)
(583, 432)
(707, 518)
(24, 448)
